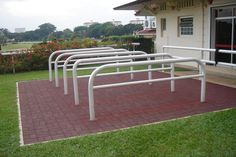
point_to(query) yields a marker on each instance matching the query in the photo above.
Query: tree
(107, 29)
(3, 38)
(118, 30)
(67, 33)
(81, 31)
(45, 30)
(130, 28)
(56, 35)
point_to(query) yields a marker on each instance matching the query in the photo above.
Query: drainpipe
(203, 34)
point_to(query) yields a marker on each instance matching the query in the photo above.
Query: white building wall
(201, 28)
(171, 37)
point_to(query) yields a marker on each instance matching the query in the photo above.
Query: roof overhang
(142, 7)
(135, 5)
(150, 7)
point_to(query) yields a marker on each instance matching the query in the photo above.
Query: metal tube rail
(70, 50)
(75, 81)
(65, 80)
(199, 49)
(91, 68)
(96, 55)
(80, 53)
(91, 86)
(146, 81)
(202, 50)
(71, 65)
(126, 72)
(188, 48)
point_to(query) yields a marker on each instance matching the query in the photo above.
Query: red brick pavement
(47, 114)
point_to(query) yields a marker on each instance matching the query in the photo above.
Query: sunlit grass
(20, 45)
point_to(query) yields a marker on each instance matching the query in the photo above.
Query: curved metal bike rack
(50, 59)
(91, 86)
(57, 60)
(102, 59)
(81, 56)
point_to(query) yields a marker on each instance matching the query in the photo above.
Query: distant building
(146, 33)
(116, 23)
(137, 21)
(87, 24)
(150, 22)
(19, 30)
(149, 27)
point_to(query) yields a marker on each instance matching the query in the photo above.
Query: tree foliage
(80, 31)
(3, 38)
(47, 31)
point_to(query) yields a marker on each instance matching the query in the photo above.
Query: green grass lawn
(211, 134)
(20, 45)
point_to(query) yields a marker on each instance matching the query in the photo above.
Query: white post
(75, 84)
(117, 69)
(203, 83)
(163, 51)
(91, 96)
(162, 65)
(50, 65)
(65, 78)
(50, 71)
(149, 71)
(56, 74)
(172, 73)
(131, 70)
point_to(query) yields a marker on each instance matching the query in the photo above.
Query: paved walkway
(218, 75)
(47, 114)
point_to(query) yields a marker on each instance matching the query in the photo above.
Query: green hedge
(146, 44)
(38, 58)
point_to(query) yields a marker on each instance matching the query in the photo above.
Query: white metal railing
(202, 51)
(79, 53)
(91, 86)
(91, 60)
(50, 59)
(13, 53)
(96, 55)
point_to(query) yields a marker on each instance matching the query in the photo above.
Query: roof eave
(135, 5)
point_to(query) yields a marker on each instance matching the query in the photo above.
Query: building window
(163, 26)
(153, 24)
(186, 26)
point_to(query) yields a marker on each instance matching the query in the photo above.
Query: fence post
(13, 64)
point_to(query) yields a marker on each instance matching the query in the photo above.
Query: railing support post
(75, 85)
(149, 72)
(203, 83)
(172, 73)
(91, 97)
(117, 69)
(56, 74)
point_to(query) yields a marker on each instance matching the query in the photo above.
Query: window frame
(163, 26)
(185, 30)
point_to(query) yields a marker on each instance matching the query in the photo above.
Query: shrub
(37, 58)
(146, 44)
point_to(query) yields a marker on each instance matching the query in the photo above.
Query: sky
(63, 14)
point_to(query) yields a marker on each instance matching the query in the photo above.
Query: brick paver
(48, 114)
